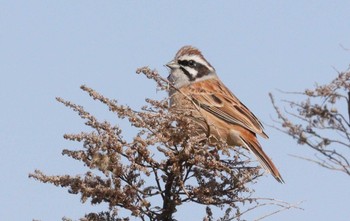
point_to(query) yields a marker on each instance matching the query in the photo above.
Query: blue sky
(49, 49)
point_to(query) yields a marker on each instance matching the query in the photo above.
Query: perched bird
(219, 113)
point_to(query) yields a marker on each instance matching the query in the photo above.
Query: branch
(309, 120)
(348, 99)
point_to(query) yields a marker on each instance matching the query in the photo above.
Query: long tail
(254, 146)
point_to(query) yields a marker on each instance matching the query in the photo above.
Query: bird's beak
(172, 65)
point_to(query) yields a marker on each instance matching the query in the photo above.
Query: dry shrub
(162, 167)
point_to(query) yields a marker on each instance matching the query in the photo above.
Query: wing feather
(212, 96)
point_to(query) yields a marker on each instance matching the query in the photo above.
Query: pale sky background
(50, 48)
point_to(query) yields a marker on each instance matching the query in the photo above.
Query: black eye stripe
(190, 63)
(201, 70)
(182, 62)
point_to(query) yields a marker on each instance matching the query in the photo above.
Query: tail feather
(263, 159)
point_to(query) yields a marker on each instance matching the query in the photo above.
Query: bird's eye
(191, 63)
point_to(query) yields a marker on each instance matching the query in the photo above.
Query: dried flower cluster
(159, 169)
(321, 121)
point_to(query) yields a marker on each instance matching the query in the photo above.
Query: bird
(218, 112)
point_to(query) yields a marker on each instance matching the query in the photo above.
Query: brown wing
(214, 97)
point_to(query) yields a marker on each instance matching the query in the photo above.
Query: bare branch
(349, 106)
(318, 122)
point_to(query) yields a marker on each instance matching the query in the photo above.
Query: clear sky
(50, 48)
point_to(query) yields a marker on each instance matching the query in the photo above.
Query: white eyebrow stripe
(195, 58)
